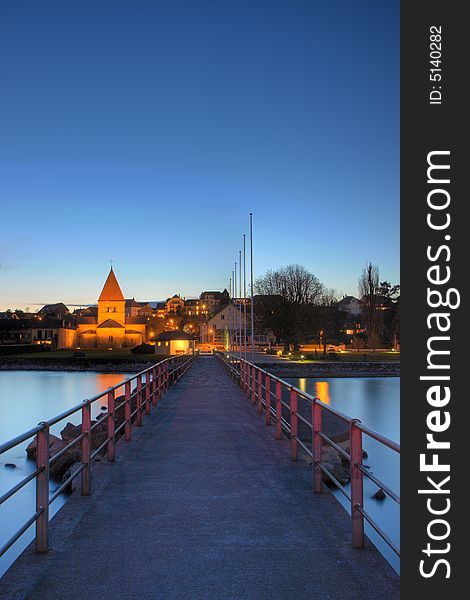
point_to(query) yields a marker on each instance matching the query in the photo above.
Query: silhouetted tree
(369, 290)
(284, 302)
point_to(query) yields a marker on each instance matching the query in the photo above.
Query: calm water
(376, 402)
(26, 398)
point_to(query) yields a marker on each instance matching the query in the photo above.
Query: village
(215, 320)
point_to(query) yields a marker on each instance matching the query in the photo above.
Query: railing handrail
(369, 431)
(158, 378)
(249, 376)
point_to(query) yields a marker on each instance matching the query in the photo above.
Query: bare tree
(284, 301)
(368, 291)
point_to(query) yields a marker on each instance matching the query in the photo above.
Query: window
(167, 343)
(108, 309)
(110, 338)
(222, 317)
(159, 343)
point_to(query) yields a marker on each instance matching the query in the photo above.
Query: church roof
(110, 323)
(111, 290)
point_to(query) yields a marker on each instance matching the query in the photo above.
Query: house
(58, 310)
(159, 310)
(111, 328)
(137, 309)
(194, 307)
(175, 305)
(47, 331)
(350, 305)
(174, 342)
(212, 301)
(226, 319)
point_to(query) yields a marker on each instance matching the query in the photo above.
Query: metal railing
(256, 383)
(150, 386)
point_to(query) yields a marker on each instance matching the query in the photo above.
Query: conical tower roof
(111, 290)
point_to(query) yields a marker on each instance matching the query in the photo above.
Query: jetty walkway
(203, 504)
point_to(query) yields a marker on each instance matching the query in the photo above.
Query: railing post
(260, 392)
(160, 381)
(294, 447)
(138, 397)
(316, 446)
(127, 411)
(253, 384)
(147, 393)
(357, 492)
(248, 381)
(111, 426)
(85, 446)
(267, 384)
(42, 489)
(167, 376)
(278, 431)
(154, 386)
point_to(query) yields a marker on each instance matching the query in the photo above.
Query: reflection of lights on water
(303, 384)
(322, 391)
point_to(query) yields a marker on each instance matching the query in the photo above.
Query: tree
(389, 291)
(368, 291)
(284, 302)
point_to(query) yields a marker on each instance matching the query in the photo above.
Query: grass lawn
(354, 356)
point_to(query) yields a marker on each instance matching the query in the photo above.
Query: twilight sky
(145, 131)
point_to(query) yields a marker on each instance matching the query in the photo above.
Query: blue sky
(146, 131)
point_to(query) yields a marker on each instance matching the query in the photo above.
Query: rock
(10, 466)
(70, 432)
(75, 483)
(31, 448)
(379, 494)
(338, 471)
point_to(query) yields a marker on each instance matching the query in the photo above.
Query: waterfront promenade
(203, 504)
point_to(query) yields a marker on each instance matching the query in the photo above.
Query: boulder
(75, 483)
(379, 494)
(70, 432)
(31, 448)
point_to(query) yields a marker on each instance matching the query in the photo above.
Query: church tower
(111, 303)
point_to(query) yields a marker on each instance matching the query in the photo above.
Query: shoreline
(286, 369)
(76, 365)
(329, 369)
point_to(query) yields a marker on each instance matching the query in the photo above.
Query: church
(111, 328)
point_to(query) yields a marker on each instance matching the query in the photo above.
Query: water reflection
(321, 389)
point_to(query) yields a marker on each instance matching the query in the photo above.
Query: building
(195, 307)
(213, 301)
(175, 305)
(58, 310)
(226, 319)
(112, 328)
(138, 309)
(159, 310)
(350, 305)
(174, 342)
(42, 331)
